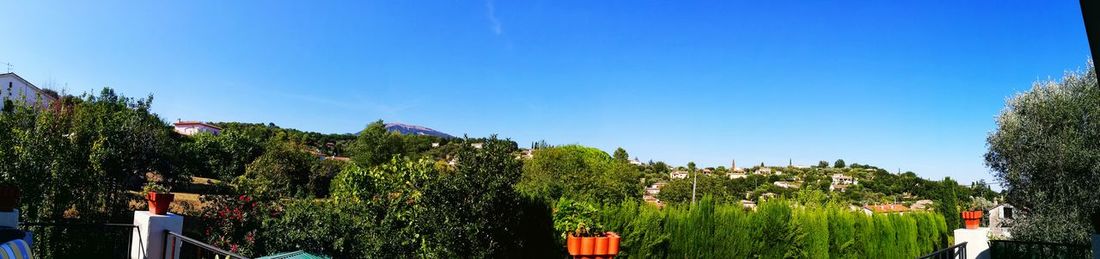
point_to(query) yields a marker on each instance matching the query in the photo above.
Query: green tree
(283, 171)
(1044, 153)
(376, 145)
(83, 155)
(579, 173)
(621, 155)
(948, 203)
(822, 164)
(470, 211)
(839, 163)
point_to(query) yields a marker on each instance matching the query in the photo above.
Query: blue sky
(909, 85)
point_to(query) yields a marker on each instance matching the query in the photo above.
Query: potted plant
(159, 198)
(584, 238)
(972, 218)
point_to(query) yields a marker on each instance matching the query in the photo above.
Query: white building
(1001, 219)
(678, 175)
(195, 127)
(19, 90)
(786, 184)
(841, 182)
(737, 175)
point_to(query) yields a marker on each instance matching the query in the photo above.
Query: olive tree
(1046, 154)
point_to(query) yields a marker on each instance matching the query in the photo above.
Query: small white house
(678, 175)
(841, 182)
(1001, 219)
(20, 91)
(195, 127)
(786, 184)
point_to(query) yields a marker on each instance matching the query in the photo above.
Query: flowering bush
(233, 222)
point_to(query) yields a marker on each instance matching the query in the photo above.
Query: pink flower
(233, 248)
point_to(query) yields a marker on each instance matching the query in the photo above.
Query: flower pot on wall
(573, 244)
(9, 198)
(606, 246)
(972, 219)
(158, 202)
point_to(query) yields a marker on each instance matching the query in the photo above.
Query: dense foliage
(579, 173)
(777, 229)
(1045, 153)
(77, 159)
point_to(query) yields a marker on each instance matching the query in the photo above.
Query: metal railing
(1036, 249)
(955, 251)
(80, 240)
(198, 249)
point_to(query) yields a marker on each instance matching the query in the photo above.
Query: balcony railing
(80, 240)
(955, 251)
(190, 248)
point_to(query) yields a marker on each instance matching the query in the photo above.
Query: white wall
(20, 91)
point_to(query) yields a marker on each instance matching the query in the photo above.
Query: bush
(777, 229)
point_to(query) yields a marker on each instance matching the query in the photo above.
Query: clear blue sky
(913, 85)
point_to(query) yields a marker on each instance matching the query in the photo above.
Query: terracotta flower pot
(573, 244)
(601, 245)
(588, 246)
(613, 243)
(9, 198)
(158, 202)
(606, 246)
(972, 218)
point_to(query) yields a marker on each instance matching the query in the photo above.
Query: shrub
(777, 229)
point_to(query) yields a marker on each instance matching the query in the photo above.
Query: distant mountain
(415, 130)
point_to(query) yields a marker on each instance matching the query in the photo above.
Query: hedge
(776, 229)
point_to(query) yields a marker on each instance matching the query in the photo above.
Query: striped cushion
(15, 249)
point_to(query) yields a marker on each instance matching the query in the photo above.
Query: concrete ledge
(977, 242)
(148, 239)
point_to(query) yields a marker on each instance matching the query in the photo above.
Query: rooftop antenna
(10, 66)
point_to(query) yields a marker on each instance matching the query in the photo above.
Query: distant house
(655, 188)
(738, 175)
(195, 127)
(478, 145)
(1001, 219)
(763, 171)
(922, 205)
(841, 182)
(786, 184)
(20, 91)
(635, 161)
(748, 204)
(651, 194)
(338, 158)
(885, 208)
(678, 175)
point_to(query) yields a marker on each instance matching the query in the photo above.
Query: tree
(839, 163)
(948, 202)
(579, 173)
(470, 211)
(376, 145)
(823, 164)
(621, 155)
(1044, 153)
(283, 171)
